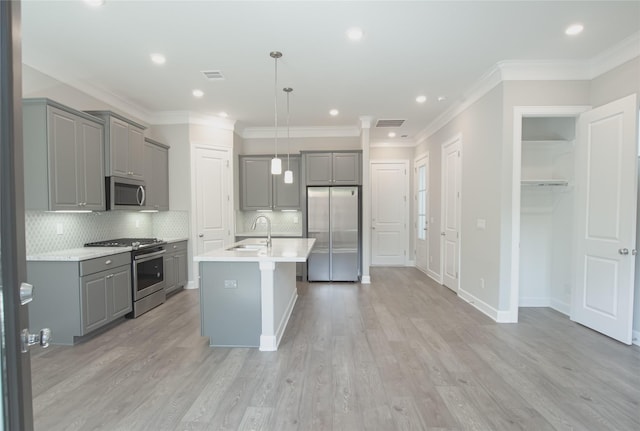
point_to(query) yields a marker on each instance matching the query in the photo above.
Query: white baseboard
(191, 285)
(434, 276)
(534, 301)
(365, 279)
(635, 338)
(285, 318)
(268, 343)
(561, 307)
(411, 263)
(497, 315)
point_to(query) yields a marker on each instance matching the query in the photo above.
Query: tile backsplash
(282, 222)
(49, 231)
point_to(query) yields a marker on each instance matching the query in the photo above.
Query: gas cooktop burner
(126, 242)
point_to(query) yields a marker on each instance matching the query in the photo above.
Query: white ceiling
(409, 48)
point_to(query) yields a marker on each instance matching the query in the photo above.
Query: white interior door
(451, 158)
(606, 188)
(212, 198)
(389, 215)
(422, 213)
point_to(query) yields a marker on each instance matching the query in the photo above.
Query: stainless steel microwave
(125, 193)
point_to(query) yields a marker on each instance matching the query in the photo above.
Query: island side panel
(231, 315)
(285, 296)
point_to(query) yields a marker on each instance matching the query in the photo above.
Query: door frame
(520, 112)
(422, 158)
(455, 138)
(17, 406)
(194, 215)
(407, 191)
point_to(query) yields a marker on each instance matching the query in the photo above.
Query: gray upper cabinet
(124, 143)
(260, 190)
(336, 168)
(255, 183)
(63, 154)
(156, 175)
(287, 196)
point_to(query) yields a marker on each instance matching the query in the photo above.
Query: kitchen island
(248, 290)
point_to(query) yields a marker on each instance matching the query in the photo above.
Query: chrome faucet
(253, 227)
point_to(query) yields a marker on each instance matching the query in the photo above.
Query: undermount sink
(247, 247)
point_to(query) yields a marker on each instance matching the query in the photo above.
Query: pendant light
(288, 174)
(276, 163)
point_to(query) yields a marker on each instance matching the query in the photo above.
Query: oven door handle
(148, 256)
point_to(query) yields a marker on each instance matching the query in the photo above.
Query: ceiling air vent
(213, 75)
(390, 123)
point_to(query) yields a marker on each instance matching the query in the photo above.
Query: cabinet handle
(175, 246)
(110, 276)
(107, 262)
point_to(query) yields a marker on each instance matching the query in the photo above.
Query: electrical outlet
(59, 229)
(231, 284)
(295, 219)
(137, 222)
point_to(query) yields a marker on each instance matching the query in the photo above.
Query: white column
(365, 125)
(268, 341)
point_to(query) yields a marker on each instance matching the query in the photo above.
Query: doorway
(422, 228)
(451, 165)
(594, 285)
(389, 212)
(212, 211)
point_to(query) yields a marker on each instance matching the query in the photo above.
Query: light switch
(295, 219)
(481, 223)
(59, 229)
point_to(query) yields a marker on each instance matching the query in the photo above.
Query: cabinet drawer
(104, 263)
(176, 246)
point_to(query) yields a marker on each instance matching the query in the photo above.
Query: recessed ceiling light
(355, 33)
(334, 112)
(574, 29)
(223, 114)
(421, 99)
(94, 3)
(441, 98)
(392, 134)
(158, 58)
(198, 93)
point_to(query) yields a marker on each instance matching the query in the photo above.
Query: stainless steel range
(147, 271)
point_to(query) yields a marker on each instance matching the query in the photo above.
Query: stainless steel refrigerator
(333, 219)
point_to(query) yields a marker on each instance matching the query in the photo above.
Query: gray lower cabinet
(76, 298)
(175, 266)
(124, 144)
(333, 168)
(63, 157)
(260, 190)
(156, 175)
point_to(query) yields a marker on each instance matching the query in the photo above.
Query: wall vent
(213, 75)
(390, 123)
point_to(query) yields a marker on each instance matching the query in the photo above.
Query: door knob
(442, 234)
(623, 251)
(201, 235)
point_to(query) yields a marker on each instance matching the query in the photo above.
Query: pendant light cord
(288, 138)
(275, 105)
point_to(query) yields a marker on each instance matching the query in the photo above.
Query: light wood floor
(400, 354)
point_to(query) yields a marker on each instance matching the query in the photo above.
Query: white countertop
(282, 250)
(78, 254)
(84, 253)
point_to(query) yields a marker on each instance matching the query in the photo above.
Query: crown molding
(540, 70)
(365, 122)
(188, 117)
(302, 132)
(115, 101)
(617, 55)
